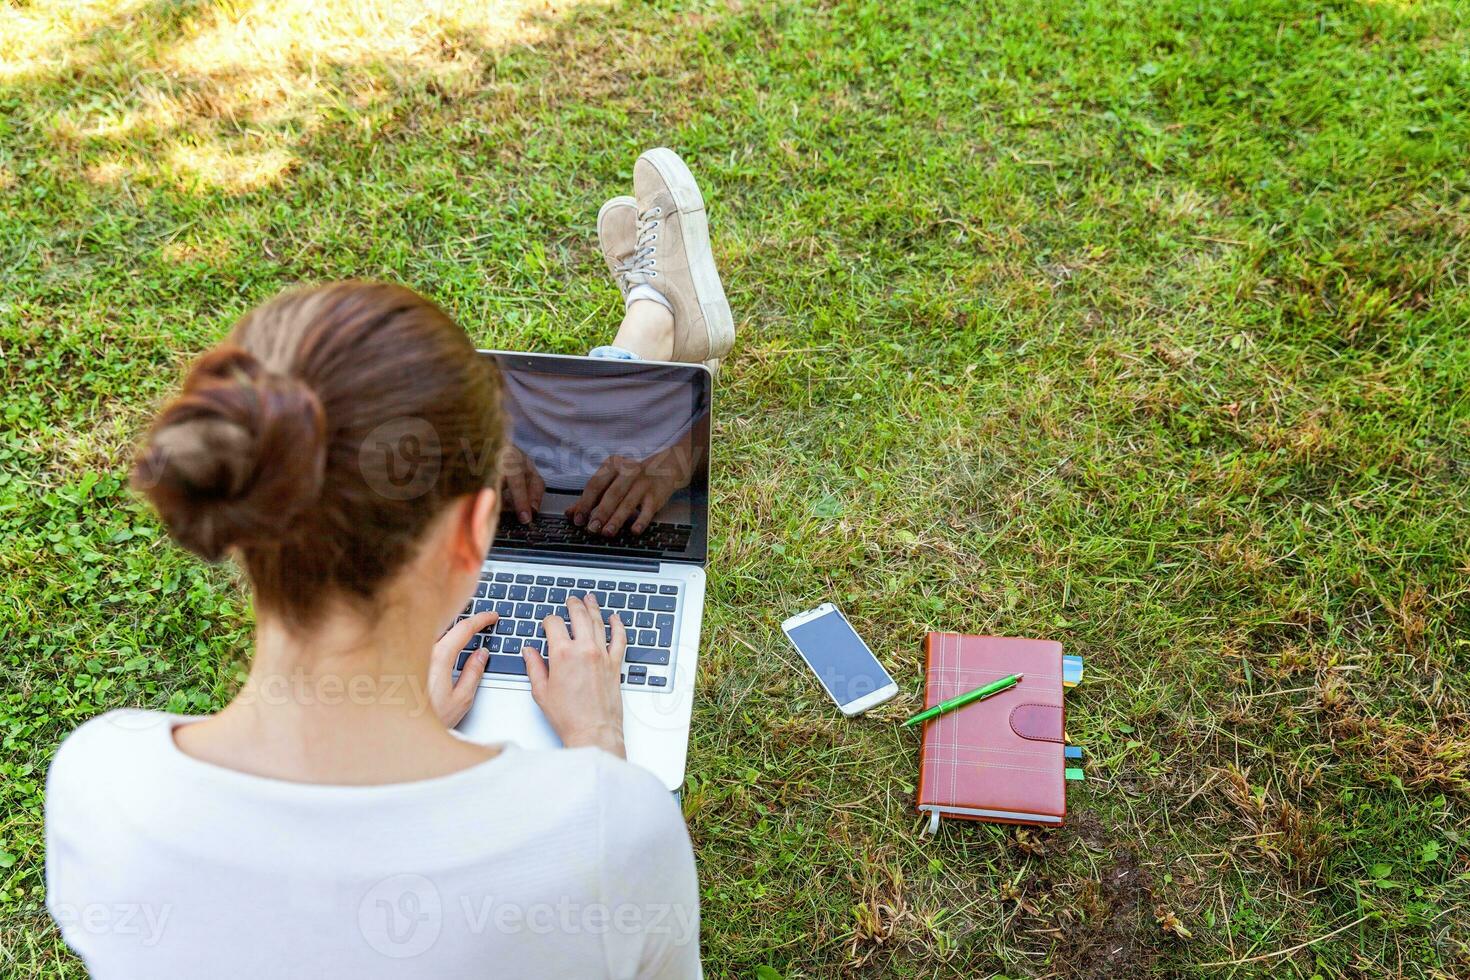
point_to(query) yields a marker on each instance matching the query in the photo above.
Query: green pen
(959, 701)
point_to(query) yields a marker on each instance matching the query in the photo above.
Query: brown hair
(321, 437)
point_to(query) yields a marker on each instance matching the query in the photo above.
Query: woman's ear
(485, 513)
(479, 515)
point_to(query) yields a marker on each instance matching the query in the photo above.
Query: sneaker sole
(719, 323)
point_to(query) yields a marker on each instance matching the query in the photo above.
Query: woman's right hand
(581, 693)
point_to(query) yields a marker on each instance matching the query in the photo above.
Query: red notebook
(998, 759)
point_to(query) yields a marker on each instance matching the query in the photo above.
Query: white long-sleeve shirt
(565, 863)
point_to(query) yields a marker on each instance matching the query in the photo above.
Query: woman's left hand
(449, 698)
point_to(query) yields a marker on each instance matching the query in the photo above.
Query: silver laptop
(568, 415)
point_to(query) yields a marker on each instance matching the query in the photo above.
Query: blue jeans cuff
(616, 353)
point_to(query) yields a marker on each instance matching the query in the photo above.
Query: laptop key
(533, 645)
(586, 583)
(492, 643)
(537, 593)
(518, 593)
(644, 620)
(525, 628)
(645, 655)
(497, 591)
(524, 610)
(557, 595)
(601, 597)
(506, 665)
(616, 600)
(473, 644)
(505, 609)
(665, 635)
(637, 669)
(637, 601)
(506, 627)
(542, 611)
(605, 584)
(637, 679)
(545, 579)
(647, 638)
(512, 645)
(627, 587)
(647, 587)
(524, 579)
(654, 680)
(661, 603)
(504, 577)
(566, 581)
(480, 590)
(668, 590)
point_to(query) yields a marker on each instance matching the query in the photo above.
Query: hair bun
(236, 457)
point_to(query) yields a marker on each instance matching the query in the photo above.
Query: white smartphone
(844, 665)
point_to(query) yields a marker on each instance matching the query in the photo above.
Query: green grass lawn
(1137, 324)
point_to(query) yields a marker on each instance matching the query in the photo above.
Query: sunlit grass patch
(215, 93)
(38, 38)
(233, 170)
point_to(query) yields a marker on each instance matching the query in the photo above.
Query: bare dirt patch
(1118, 936)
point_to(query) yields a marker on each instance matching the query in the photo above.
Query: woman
(328, 822)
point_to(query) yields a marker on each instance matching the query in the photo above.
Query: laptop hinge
(541, 558)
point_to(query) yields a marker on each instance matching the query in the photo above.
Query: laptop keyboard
(649, 611)
(556, 529)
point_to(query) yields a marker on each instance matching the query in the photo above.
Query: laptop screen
(624, 444)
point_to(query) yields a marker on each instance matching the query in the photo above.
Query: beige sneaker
(617, 234)
(672, 255)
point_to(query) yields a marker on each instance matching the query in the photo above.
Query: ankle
(647, 330)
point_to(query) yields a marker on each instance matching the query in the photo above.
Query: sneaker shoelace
(641, 266)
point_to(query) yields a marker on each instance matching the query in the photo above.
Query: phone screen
(842, 662)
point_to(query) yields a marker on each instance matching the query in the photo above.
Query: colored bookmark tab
(1072, 752)
(1074, 775)
(1071, 671)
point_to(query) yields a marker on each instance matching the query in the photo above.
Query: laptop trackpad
(501, 715)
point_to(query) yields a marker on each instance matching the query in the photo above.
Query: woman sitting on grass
(328, 822)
